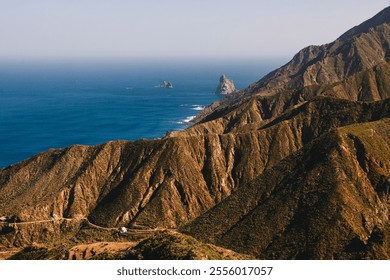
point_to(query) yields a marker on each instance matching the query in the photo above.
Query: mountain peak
(379, 19)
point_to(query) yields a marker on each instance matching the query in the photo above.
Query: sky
(174, 28)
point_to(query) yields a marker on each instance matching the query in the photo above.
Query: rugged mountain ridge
(298, 148)
(359, 49)
(97, 185)
(369, 85)
(124, 183)
(328, 200)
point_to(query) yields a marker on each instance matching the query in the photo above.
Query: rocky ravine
(306, 147)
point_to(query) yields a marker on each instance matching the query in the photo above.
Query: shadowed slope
(329, 200)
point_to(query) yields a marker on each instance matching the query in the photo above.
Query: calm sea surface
(57, 104)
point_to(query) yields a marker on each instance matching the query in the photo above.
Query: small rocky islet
(225, 86)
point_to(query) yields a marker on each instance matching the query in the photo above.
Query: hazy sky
(174, 28)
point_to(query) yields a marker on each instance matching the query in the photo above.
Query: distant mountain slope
(329, 200)
(360, 49)
(379, 19)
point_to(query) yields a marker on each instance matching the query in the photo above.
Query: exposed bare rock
(166, 84)
(226, 86)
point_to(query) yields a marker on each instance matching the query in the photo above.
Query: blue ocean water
(61, 103)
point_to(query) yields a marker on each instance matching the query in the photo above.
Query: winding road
(129, 230)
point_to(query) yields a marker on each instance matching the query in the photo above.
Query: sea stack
(226, 86)
(166, 84)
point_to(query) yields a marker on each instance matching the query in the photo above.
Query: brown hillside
(329, 200)
(162, 183)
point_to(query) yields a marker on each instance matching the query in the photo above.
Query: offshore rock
(226, 86)
(166, 84)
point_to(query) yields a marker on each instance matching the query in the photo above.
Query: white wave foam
(188, 119)
(198, 108)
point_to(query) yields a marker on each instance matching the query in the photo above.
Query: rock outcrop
(226, 86)
(166, 84)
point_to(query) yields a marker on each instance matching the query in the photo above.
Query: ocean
(55, 104)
